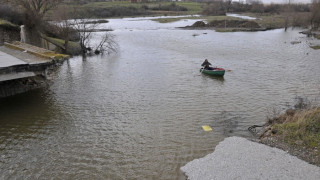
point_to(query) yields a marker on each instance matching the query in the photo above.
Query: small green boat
(214, 72)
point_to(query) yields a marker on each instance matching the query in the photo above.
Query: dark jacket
(206, 64)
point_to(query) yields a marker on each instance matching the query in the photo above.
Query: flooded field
(138, 114)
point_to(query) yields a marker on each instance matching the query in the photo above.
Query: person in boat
(206, 64)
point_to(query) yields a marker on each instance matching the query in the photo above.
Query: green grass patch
(166, 20)
(274, 21)
(270, 21)
(193, 8)
(304, 126)
(315, 47)
(224, 29)
(219, 18)
(61, 42)
(73, 47)
(204, 18)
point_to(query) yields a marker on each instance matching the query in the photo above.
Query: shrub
(214, 9)
(199, 24)
(11, 15)
(171, 7)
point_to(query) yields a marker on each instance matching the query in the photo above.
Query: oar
(202, 70)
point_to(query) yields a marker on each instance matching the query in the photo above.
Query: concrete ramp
(239, 158)
(7, 60)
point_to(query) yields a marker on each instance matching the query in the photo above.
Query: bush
(273, 9)
(171, 7)
(214, 9)
(11, 15)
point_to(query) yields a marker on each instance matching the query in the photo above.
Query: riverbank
(239, 158)
(289, 148)
(24, 67)
(297, 132)
(244, 22)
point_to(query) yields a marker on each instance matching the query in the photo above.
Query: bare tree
(107, 44)
(287, 14)
(68, 23)
(37, 7)
(86, 29)
(63, 25)
(34, 11)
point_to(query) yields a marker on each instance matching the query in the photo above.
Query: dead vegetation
(296, 131)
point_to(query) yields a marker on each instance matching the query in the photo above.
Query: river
(138, 114)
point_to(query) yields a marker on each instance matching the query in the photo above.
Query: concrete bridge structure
(25, 67)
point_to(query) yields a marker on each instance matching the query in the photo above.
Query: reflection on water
(215, 78)
(138, 114)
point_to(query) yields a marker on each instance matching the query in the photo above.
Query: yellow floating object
(206, 128)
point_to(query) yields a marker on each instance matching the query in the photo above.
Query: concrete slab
(7, 60)
(11, 76)
(239, 158)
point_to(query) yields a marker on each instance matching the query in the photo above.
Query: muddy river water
(138, 114)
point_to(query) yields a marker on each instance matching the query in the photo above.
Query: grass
(8, 25)
(268, 20)
(73, 47)
(219, 18)
(274, 21)
(205, 18)
(61, 42)
(167, 20)
(225, 29)
(56, 56)
(193, 7)
(315, 47)
(303, 126)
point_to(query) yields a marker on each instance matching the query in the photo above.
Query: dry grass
(297, 131)
(315, 47)
(299, 127)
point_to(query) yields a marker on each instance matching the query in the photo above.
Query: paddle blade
(206, 128)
